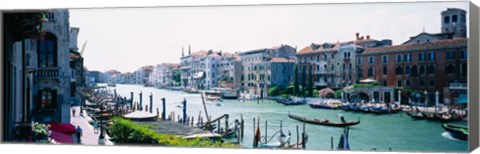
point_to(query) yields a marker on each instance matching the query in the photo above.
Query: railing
(458, 85)
(43, 73)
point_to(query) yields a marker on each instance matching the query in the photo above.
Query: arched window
(446, 19)
(399, 70)
(350, 67)
(414, 70)
(450, 68)
(47, 51)
(359, 73)
(370, 72)
(407, 70)
(431, 69)
(421, 70)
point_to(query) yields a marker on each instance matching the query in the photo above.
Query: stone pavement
(89, 137)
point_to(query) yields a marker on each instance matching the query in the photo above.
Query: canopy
(62, 133)
(368, 80)
(141, 116)
(324, 92)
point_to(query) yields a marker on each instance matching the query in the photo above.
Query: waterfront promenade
(89, 137)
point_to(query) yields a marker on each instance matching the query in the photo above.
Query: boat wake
(448, 136)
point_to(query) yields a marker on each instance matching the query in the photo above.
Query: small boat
(446, 117)
(326, 104)
(230, 94)
(290, 102)
(111, 85)
(323, 122)
(384, 110)
(457, 131)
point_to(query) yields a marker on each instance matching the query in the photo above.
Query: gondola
(323, 106)
(290, 102)
(448, 117)
(384, 111)
(457, 131)
(323, 122)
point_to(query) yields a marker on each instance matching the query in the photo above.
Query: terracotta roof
(309, 49)
(281, 60)
(422, 46)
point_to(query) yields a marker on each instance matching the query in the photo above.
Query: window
(450, 55)
(399, 58)
(462, 18)
(47, 99)
(384, 70)
(370, 59)
(47, 51)
(408, 57)
(350, 67)
(454, 18)
(359, 73)
(446, 19)
(463, 69)
(370, 72)
(464, 54)
(407, 83)
(422, 83)
(421, 57)
(421, 70)
(399, 70)
(333, 67)
(384, 59)
(450, 68)
(431, 56)
(359, 61)
(431, 69)
(343, 67)
(384, 83)
(399, 83)
(407, 70)
(414, 70)
(431, 83)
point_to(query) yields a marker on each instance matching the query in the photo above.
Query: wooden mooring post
(303, 137)
(331, 142)
(266, 123)
(298, 136)
(242, 127)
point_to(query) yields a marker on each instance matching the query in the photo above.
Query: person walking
(79, 134)
(95, 127)
(73, 110)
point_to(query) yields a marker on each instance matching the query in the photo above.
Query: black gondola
(323, 122)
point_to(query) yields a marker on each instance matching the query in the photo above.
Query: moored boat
(457, 131)
(323, 122)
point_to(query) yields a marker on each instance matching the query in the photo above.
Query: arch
(363, 96)
(399, 70)
(450, 68)
(414, 70)
(407, 70)
(421, 69)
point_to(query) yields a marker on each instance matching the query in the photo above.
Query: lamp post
(436, 100)
(426, 99)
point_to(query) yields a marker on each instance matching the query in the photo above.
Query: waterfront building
(78, 80)
(332, 64)
(97, 76)
(37, 72)
(256, 67)
(162, 75)
(426, 63)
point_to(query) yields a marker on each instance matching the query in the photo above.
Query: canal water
(397, 131)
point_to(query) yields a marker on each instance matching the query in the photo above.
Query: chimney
(357, 35)
(368, 37)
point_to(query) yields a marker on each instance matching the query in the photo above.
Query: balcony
(46, 73)
(458, 86)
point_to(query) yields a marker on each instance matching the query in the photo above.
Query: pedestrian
(79, 134)
(73, 110)
(95, 127)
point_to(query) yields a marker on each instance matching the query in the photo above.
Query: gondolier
(340, 115)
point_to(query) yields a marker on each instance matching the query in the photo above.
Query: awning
(368, 80)
(62, 138)
(62, 133)
(198, 75)
(462, 99)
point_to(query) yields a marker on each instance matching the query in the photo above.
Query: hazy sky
(126, 39)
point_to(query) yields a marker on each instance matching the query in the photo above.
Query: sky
(126, 39)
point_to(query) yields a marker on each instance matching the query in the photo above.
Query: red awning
(62, 133)
(62, 128)
(62, 138)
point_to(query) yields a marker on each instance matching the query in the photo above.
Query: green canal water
(397, 131)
